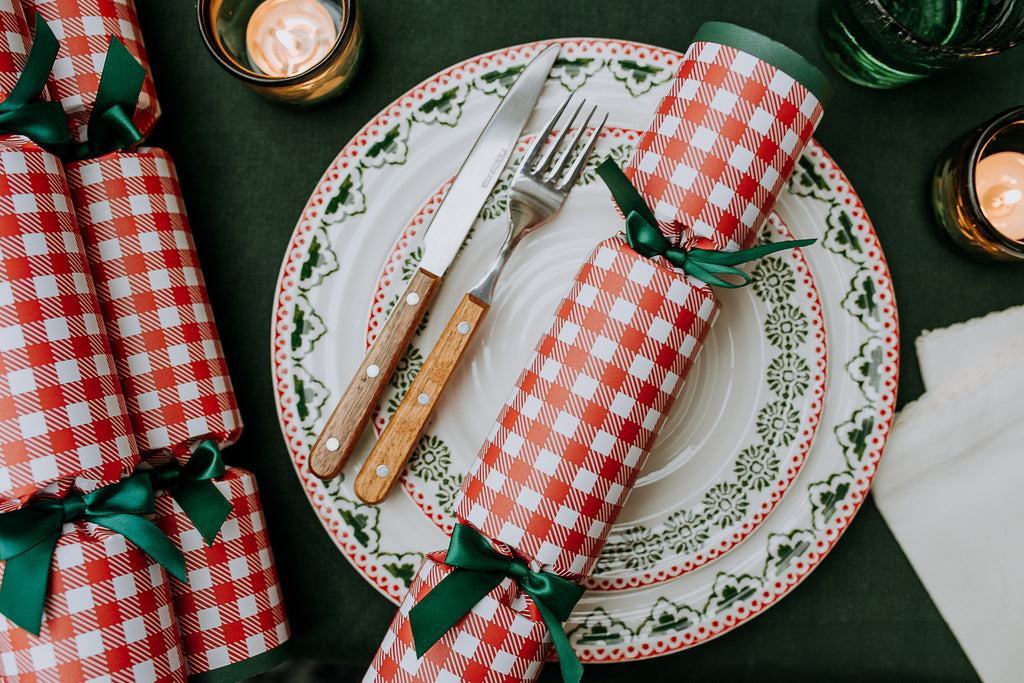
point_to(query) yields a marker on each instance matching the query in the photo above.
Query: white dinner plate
(771, 446)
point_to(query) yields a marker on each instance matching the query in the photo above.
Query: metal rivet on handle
(412, 299)
(383, 471)
(333, 444)
(464, 327)
(423, 399)
(373, 371)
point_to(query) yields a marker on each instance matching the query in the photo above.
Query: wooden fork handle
(339, 437)
(392, 451)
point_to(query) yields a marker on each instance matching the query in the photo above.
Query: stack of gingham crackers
(132, 552)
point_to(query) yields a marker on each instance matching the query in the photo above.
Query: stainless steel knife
(447, 231)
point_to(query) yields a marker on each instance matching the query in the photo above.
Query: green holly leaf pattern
(306, 328)
(866, 369)
(638, 78)
(785, 549)
(573, 73)
(346, 197)
(826, 497)
(599, 629)
(667, 618)
(445, 108)
(730, 590)
(310, 397)
(392, 147)
(855, 434)
(320, 261)
(862, 300)
(499, 81)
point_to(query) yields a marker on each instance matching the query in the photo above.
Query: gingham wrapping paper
(231, 609)
(108, 617)
(721, 146)
(84, 29)
(574, 432)
(501, 640)
(62, 414)
(15, 42)
(154, 302)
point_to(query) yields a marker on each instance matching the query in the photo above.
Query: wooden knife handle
(339, 437)
(389, 456)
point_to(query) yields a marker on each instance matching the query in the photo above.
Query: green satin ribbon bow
(190, 484)
(110, 125)
(479, 569)
(29, 535)
(21, 113)
(647, 240)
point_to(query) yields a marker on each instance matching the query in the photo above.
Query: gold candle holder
(294, 51)
(978, 188)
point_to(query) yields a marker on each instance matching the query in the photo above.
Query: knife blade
(447, 231)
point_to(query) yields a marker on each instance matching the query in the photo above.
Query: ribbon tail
(205, 505)
(447, 603)
(572, 669)
(148, 537)
(37, 67)
(23, 590)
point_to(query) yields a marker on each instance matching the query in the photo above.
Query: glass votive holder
(293, 51)
(888, 43)
(978, 188)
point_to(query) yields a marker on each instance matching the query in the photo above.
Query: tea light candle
(999, 185)
(287, 37)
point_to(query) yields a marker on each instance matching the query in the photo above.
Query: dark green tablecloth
(247, 167)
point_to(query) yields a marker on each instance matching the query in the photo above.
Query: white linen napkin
(950, 486)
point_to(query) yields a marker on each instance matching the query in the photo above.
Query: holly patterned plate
(771, 447)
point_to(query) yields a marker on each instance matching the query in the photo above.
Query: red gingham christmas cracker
(62, 413)
(231, 610)
(15, 42)
(154, 302)
(84, 29)
(574, 433)
(107, 617)
(501, 640)
(576, 429)
(721, 147)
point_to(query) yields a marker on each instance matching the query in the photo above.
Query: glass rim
(988, 131)
(918, 41)
(209, 35)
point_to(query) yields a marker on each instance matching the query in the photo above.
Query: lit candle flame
(286, 37)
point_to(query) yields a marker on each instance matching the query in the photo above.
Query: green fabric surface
(247, 167)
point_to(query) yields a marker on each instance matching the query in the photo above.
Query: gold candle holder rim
(988, 131)
(213, 45)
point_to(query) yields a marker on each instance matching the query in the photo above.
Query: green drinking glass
(888, 43)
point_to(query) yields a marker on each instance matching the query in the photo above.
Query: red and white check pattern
(576, 429)
(231, 609)
(62, 413)
(502, 640)
(154, 302)
(84, 29)
(721, 146)
(15, 42)
(108, 617)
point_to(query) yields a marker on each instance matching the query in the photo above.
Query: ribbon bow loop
(28, 537)
(21, 113)
(191, 485)
(646, 239)
(479, 568)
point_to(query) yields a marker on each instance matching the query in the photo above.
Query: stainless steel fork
(539, 188)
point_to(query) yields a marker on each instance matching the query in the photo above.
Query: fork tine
(553, 148)
(577, 168)
(531, 153)
(567, 155)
